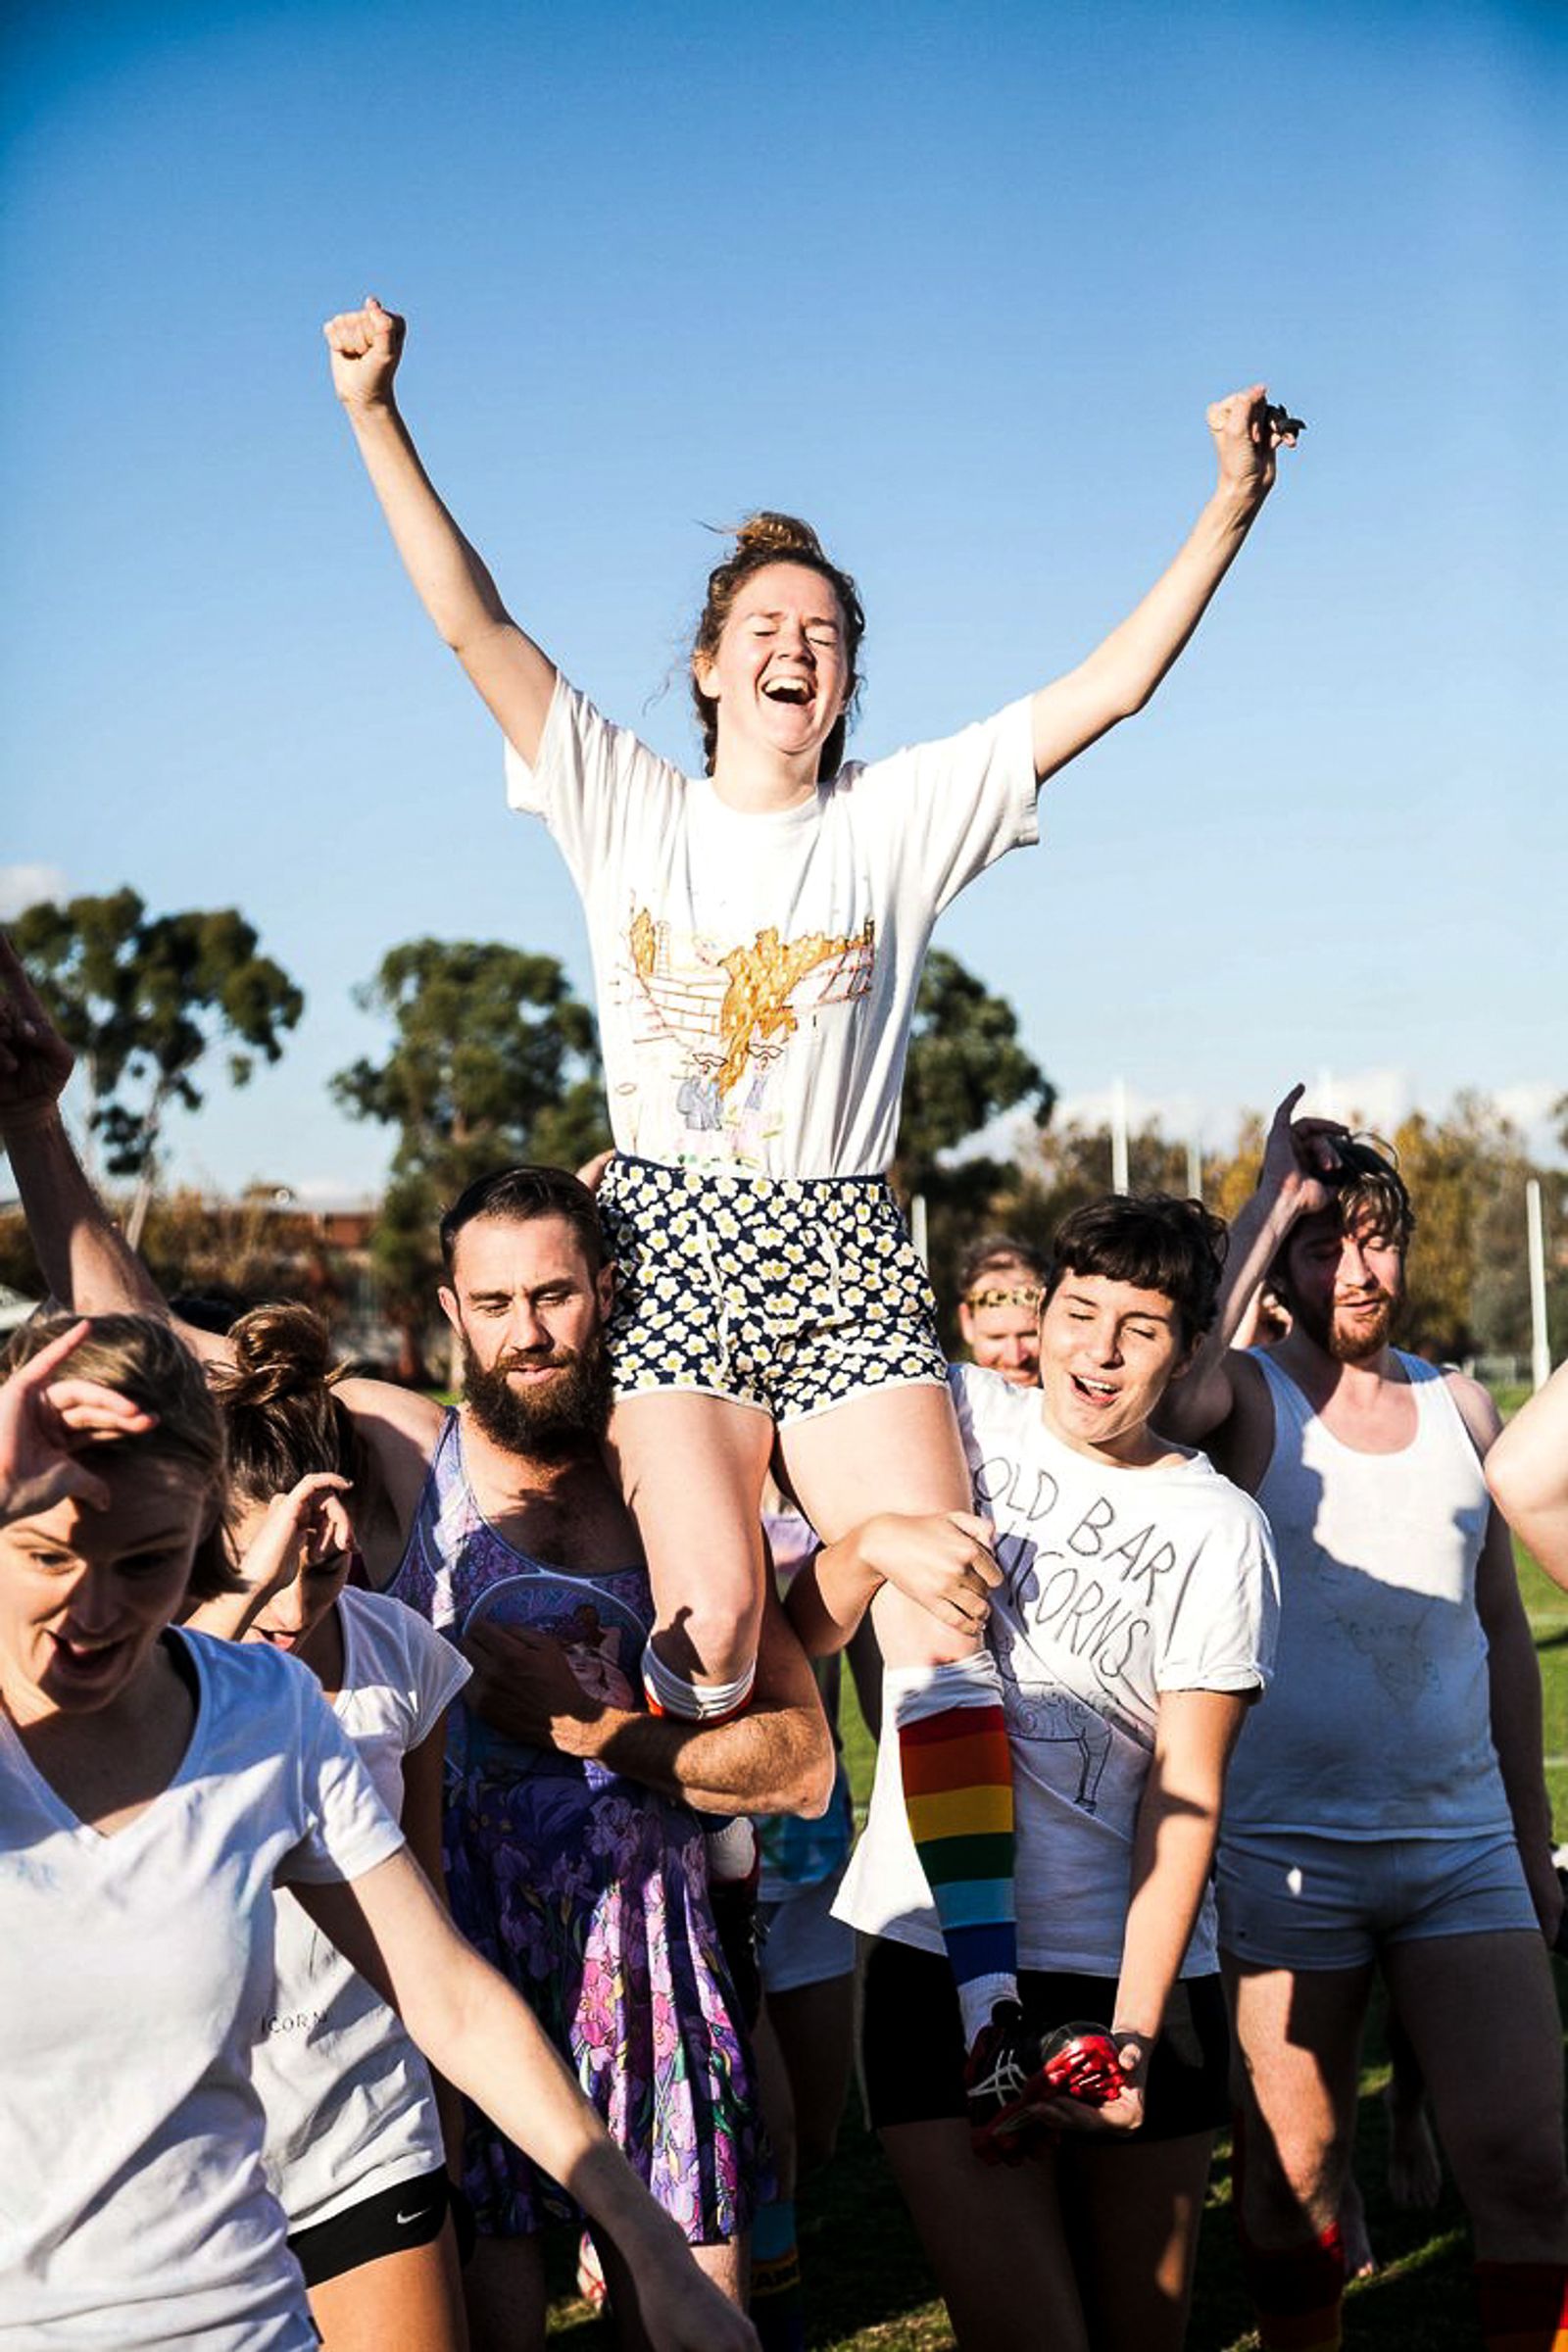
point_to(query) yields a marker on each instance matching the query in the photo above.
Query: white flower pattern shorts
(792, 1294)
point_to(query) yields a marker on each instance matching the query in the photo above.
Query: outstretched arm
(87, 1262)
(1299, 1160)
(85, 1259)
(1527, 1471)
(514, 677)
(1122, 673)
(777, 1758)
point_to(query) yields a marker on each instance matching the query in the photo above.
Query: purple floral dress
(588, 1892)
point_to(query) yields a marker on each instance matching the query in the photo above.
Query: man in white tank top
(1387, 1803)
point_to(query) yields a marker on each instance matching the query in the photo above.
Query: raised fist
(365, 347)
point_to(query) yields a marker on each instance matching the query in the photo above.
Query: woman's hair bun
(768, 533)
(280, 1352)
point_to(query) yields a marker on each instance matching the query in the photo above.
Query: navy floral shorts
(792, 1294)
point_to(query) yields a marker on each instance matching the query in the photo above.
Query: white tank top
(1378, 1722)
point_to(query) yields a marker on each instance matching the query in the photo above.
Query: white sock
(694, 1702)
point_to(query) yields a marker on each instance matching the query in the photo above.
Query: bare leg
(1297, 2051)
(895, 1450)
(725, 2264)
(1296, 2076)
(690, 1469)
(814, 2030)
(412, 2298)
(1481, 2013)
(777, 2100)
(504, 2287)
(899, 1450)
(1134, 2215)
(996, 2239)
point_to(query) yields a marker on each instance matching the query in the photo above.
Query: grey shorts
(1287, 1899)
(802, 1943)
(790, 1293)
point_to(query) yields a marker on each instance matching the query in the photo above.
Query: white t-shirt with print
(350, 2106)
(756, 972)
(134, 1972)
(1120, 1585)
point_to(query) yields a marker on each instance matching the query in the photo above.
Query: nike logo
(417, 2215)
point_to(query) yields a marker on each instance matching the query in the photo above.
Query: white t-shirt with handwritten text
(756, 972)
(1120, 1585)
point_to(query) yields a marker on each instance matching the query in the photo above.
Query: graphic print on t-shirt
(1074, 1626)
(603, 1639)
(730, 1013)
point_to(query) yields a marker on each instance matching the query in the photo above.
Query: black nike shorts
(390, 2221)
(911, 2042)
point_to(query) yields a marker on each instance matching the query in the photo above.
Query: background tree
(1469, 1283)
(1071, 1164)
(142, 1000)
(966, 1066)
(493, 1059)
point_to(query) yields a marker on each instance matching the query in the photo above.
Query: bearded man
(1386, 1802)
(574, 1861)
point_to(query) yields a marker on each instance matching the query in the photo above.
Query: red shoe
(1080, 2061)
(1011, 2069)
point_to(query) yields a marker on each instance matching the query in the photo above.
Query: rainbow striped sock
(958, 1794)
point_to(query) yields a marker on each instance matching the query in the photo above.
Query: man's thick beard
(1357, 1345)
(1368, 1338)
(549, 1423)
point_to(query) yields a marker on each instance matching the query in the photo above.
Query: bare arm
(942, 1561)
(1121, 674)
(514, 677)
(1173, 1851)
(308, 1522)
(1527, 1471)
(85, 1259)
(1513, 1678)
(1298, 1157)
(49, 1422)
(1173, 1846)
(777, 1758)
(475, 2030)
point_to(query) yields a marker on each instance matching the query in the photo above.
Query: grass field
(867, 2286)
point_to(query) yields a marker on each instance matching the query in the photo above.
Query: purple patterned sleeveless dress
(587, 1890)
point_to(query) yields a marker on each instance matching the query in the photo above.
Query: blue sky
(955, 282)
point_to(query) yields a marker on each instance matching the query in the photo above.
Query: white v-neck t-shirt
(350, 2106)
(135, 1970)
